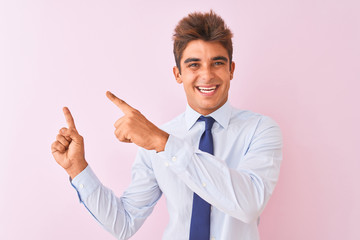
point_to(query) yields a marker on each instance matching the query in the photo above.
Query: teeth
(203, 89)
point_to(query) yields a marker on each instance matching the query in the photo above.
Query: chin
(207, 109)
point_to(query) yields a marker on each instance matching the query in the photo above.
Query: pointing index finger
(69, 118)
(118, 102)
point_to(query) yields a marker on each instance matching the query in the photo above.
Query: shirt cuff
(177, 154)
(85, 183)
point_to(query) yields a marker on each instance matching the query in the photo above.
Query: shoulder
(250, 119)
(175, 123)
(259, 129)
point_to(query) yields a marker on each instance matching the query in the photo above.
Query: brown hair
(201, 26)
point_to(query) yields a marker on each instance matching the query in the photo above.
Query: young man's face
(205, 74)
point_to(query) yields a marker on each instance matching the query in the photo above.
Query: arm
(123, 216)
(120, 216)
(241, 190)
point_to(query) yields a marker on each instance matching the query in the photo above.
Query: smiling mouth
(207, 89)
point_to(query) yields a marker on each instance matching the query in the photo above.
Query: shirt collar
(221, 116)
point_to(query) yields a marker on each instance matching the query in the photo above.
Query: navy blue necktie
(200, 217)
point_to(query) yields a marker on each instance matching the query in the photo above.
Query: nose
(206, 73)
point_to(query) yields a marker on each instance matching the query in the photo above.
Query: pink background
(297, 61)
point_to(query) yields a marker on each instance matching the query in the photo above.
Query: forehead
(203, 50)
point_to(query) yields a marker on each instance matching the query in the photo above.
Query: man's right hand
(68, 149)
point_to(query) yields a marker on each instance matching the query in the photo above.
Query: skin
(204, 65)
(133, 127)
(68, 149)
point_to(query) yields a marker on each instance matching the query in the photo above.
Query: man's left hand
(133, 127)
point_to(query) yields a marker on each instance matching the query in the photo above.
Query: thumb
(72, 134)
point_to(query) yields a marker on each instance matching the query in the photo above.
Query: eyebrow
(220, 58)
(192, 60)
(214, 59)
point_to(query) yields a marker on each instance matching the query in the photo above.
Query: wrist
(73, 171)
(163, 137)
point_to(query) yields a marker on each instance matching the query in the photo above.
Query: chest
(230, 146)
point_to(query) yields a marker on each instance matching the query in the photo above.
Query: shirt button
(166, 164)
(204, 184)
(81, 186)
(212, 238)
(173, 159)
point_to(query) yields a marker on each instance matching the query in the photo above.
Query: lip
(209, 90)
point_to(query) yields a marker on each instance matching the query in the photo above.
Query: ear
(177, 75)
(232, 70)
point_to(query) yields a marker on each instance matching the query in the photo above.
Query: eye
(193, 65)
(218, 63)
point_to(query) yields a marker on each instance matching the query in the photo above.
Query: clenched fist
(68, 149)
(134, 127)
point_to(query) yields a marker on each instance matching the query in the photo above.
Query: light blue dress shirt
(237, 180)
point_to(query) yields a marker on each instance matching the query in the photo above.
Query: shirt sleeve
(241, 192)
(123, 216)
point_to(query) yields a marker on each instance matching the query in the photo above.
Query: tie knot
(209, 121)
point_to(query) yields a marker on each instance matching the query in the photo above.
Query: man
(217, 172)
